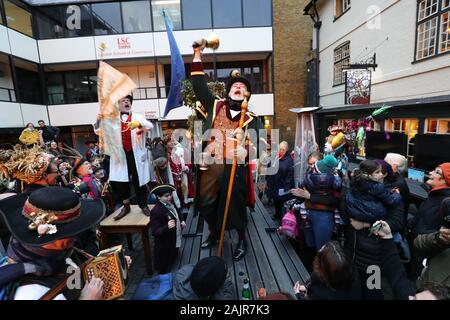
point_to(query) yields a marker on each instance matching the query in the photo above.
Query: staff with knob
(225, 189)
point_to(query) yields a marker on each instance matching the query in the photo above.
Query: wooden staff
(239, 137)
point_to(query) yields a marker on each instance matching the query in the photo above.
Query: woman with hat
(166, 225)
(43, 228)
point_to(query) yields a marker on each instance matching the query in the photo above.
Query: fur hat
(327, 164)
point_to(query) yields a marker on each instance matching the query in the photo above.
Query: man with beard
(223, 116)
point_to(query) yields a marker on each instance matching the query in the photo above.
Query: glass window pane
(173, 9)
(227, 13)
(63, 21)
(6, 83)
(196, 14)
(106, 18)
(28, 81)
(136, 16)
(18, 18)
(257, 13)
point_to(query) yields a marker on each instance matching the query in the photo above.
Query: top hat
(59, 210)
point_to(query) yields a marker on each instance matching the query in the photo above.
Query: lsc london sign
(124, 46)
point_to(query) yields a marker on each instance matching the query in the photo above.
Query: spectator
(54, 150)
(428, 219)
(282, 182)
(432, 291)
(30, 136)
(435, 247)
(320, 189)
(167, 225)
(92, 150)
(399, 165)
(369, 199)
(49, 133)
(372, 248)
(36, 255)
(207, 280)
(333, 277)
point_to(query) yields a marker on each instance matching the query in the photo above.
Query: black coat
(283, 179)
(429, 218)
(366, 250)
(398, 181)
(165, 250)
(320, 291)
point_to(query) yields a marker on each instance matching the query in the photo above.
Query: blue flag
(177, 73)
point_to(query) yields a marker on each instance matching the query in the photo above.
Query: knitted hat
(208, 276)
(445, 167)
(327, 164)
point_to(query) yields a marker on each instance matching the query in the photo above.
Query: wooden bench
(134, 222)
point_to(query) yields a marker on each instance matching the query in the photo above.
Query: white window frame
(444, 36)
(439, 120)
(426, 5)
(339, 62)
(433, 23)
(341, 7)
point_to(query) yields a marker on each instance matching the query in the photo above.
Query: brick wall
(292, 41)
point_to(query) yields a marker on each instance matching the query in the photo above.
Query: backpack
(289, 224)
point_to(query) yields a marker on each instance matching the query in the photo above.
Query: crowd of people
(354, 220)
(351, 221)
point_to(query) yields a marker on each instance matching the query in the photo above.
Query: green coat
(212, 206)
(438, 259)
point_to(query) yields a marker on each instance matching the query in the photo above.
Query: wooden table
(134, 222)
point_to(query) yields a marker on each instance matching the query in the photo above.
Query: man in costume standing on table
(224, 115)
(133, 161)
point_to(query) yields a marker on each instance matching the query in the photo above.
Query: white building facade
(410, 41)
(49, 54)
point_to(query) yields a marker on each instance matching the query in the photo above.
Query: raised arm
(198, 79)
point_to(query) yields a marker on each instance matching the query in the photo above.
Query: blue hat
(327, 164)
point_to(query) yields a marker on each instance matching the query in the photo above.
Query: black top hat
(238, 79)
(129, 96)
(163, 189)
(57, 207)
(78, 163)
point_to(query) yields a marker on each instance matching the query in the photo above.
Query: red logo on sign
(124, 43)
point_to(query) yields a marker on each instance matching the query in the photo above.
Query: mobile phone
(375, 228)
(446, 223)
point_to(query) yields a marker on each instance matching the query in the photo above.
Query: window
(227, 14)
(437, 126)
(196, 14)
(63, 21)
(341, 7)
(444, 40)
(28, 81)
(410, 127)
(1, 13)
(173, 9)
(7, 92)
(341, 60)
(71, 83)
(18, 18)
(136, 16)
(427, 39)
(257, 13)
(107, 19)
(433, 25)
